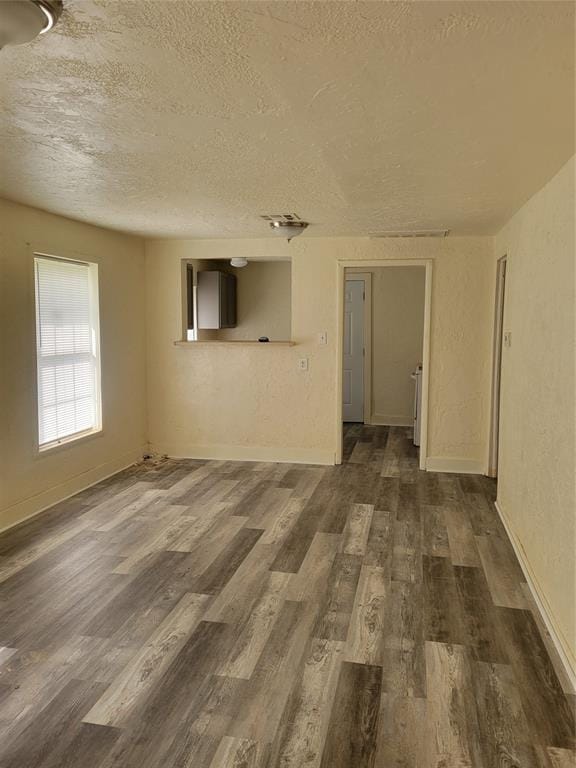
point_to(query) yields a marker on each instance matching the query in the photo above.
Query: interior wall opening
(383, 336)
(224, 302)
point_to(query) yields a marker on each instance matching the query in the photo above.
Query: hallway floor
(211, 614)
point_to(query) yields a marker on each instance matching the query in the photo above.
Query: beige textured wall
(253, 402)
(263, 294)
(28, 481)
(536, 488)
(397, 336)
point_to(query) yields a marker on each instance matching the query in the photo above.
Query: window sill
(246, 342)
(68, 442)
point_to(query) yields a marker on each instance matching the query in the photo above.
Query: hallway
(216, 614)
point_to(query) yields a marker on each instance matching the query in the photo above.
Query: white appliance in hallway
(353, 362)
(417, 376)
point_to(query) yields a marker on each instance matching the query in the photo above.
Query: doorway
(497, 366)
(355, 385)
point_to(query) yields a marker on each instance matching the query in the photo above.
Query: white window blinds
(67, 342)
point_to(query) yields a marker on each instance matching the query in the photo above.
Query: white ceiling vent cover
(412, 233)
(280, 217)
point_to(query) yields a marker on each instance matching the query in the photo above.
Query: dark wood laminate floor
(218, 614)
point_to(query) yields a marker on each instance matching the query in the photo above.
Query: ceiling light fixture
(239, 261)
(288, 229)
(23, 20)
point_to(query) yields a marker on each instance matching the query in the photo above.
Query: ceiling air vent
(280, 217)
(412, 233)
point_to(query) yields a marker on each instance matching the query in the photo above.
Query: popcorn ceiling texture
(189, 119)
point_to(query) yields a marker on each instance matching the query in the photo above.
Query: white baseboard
(247, 453)
(456, 466)
(564, 654)
(40, 502)
(385, 420)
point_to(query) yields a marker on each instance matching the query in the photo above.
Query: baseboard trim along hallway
(560, 646)
(248, 453)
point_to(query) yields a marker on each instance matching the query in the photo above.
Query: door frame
(357, 266)
(500, 293)
(366, 278)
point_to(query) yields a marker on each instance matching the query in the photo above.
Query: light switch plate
(323, 337)
(507, 338)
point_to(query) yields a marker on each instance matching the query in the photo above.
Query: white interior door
(353, 371)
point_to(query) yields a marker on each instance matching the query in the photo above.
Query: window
(67, 350)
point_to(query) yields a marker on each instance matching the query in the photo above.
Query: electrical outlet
(323, 337)
(303, 364)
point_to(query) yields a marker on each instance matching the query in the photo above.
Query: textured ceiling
(191, 119)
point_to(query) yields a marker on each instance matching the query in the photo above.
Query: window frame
(42, 449)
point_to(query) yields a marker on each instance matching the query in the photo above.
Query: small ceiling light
(239, 262)
(23, 20)
(288, 229)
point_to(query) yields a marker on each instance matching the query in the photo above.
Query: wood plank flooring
(210, 614)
